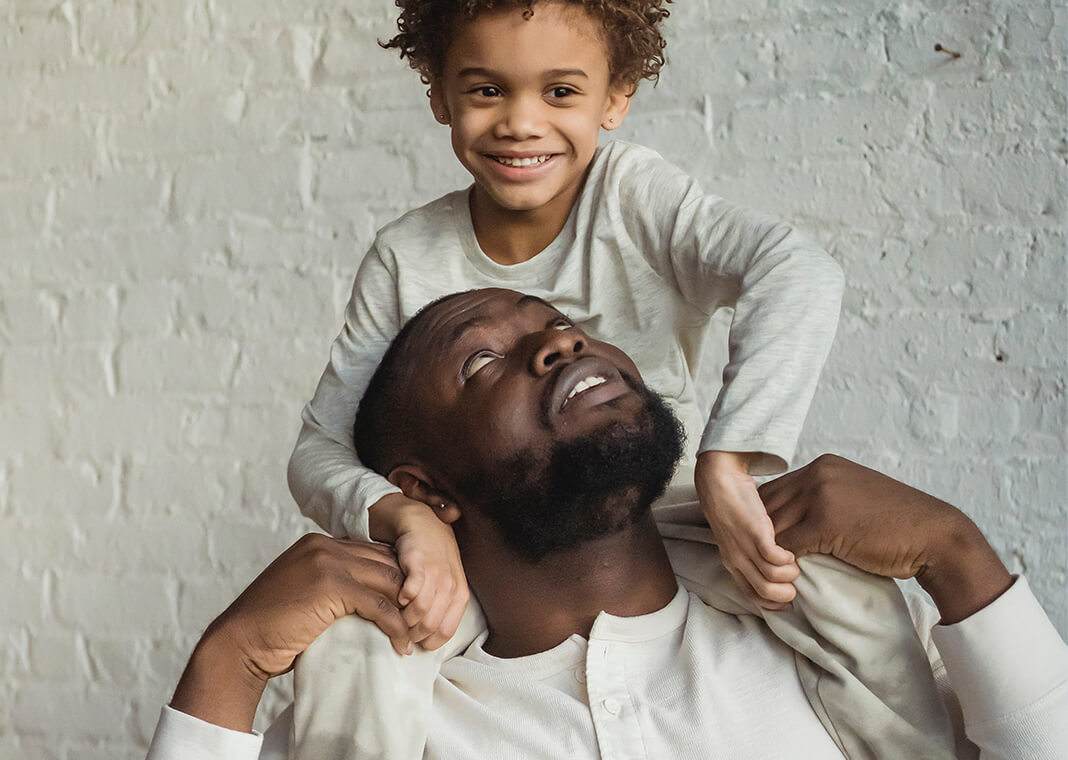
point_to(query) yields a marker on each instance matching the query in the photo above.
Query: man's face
(526, 100)
(524, 414)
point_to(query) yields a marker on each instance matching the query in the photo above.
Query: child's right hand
(744, 531)
(435, 594)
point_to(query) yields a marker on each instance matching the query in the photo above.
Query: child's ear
(437, 102)
(618, 105)
(416, 486)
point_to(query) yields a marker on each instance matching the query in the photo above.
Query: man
(544, 451)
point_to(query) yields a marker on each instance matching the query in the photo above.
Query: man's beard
(598, 484)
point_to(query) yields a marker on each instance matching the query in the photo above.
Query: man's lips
(589, 380)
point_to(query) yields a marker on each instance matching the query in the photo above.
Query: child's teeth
(521, 161)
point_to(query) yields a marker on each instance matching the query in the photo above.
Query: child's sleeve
(325, 477)
(785, 291)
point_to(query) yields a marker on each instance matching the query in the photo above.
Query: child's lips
(520, 167)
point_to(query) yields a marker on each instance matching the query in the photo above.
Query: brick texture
(186, 189)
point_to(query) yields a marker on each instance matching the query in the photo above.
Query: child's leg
(355, 698)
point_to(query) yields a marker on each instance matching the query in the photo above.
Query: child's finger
(418, 608)
(765, 589)
(772, 552)
(778, 573)
(750, 592)
(447, 628)
(430, 623)
(454, 613)
(413, 585)
(762, 534)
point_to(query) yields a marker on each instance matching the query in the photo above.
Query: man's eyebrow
(458, 331)
(527, 300)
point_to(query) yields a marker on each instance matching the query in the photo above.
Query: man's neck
(532, 607)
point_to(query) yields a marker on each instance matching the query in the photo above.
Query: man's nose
(557, 346)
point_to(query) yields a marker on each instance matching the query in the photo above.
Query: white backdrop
(187, 187)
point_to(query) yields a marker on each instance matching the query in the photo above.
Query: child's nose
(521, 119)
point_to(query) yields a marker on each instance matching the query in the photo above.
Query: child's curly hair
(631, 32)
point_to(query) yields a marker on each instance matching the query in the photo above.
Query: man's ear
(413, 481)
(437, 102)
(618, 105)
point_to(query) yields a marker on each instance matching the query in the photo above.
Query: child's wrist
(389, 517)
(725, 462)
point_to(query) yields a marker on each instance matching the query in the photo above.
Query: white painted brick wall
(186, 188)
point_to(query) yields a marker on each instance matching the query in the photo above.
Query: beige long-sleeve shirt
(688, 681)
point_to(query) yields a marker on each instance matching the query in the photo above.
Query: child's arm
(786, 293)
(334, 489)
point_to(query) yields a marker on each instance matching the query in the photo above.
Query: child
(623, 242)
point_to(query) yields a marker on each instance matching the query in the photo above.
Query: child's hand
(744, 532)
(435, 593)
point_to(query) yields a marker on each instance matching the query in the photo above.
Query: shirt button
(580, 675)
(611, 706)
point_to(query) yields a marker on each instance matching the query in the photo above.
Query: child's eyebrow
(555, 73)
(477, 71)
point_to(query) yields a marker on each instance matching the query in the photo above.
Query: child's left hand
(435, 594)
(744, 532)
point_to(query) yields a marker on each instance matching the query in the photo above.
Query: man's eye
(562, 325)
(477, 362)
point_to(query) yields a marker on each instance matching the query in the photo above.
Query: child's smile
(522, 167)
(526, 100)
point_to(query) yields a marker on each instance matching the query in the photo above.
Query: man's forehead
(449, 320)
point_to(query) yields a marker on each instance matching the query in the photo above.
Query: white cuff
(1004, 657)
(182, 737)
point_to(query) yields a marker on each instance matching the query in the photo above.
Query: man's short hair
(387, 419)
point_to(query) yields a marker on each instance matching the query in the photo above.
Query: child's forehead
(553, 34)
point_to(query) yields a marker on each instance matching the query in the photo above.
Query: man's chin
(589, 486)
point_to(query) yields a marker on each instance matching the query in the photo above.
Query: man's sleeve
(786, 293)
(182, 737)
(1008, 669)
(327, 480)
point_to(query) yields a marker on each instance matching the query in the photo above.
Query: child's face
(526, 100)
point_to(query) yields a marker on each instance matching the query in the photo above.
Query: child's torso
(595, 275)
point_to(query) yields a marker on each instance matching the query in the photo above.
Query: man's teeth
(584, 385)
(532, 161)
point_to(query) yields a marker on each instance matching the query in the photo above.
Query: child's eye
(488, 92)
(562, 92)
(477, 362)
